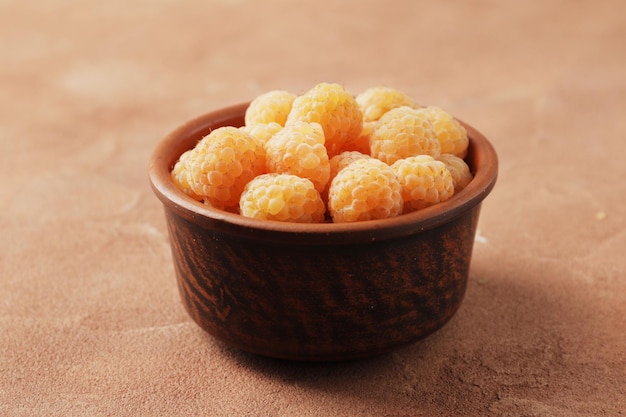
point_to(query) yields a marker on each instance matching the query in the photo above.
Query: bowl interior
(481, 158)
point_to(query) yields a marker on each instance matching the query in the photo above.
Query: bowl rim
(481, 153)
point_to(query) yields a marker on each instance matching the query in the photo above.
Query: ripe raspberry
(376, 101)
(366, 189)
(282, 197)
(403, 132)
(450, 133)
(425, 181)
(334, 109)
(461, 174)
(299, 149)
(219, 167)
(273, 106)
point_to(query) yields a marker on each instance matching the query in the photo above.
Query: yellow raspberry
(334, 109)
(273, 106)
(282, 197)
(218, 168)
(425, 181)
(366, 189)
(461, 174)
(376, 101)
(403, 132)
(299, 149)
(450, 133)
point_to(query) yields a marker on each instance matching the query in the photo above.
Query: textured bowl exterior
(324, 291)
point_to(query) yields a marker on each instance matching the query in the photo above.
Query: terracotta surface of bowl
(325, 291)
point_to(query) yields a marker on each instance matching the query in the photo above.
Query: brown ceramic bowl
(318, 292)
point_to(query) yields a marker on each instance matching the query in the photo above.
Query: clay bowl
(318, 292)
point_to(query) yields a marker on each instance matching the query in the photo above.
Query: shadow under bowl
(318, 292)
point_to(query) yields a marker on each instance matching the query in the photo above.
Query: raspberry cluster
(326, 155)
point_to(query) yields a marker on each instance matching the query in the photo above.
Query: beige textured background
(90, 320)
